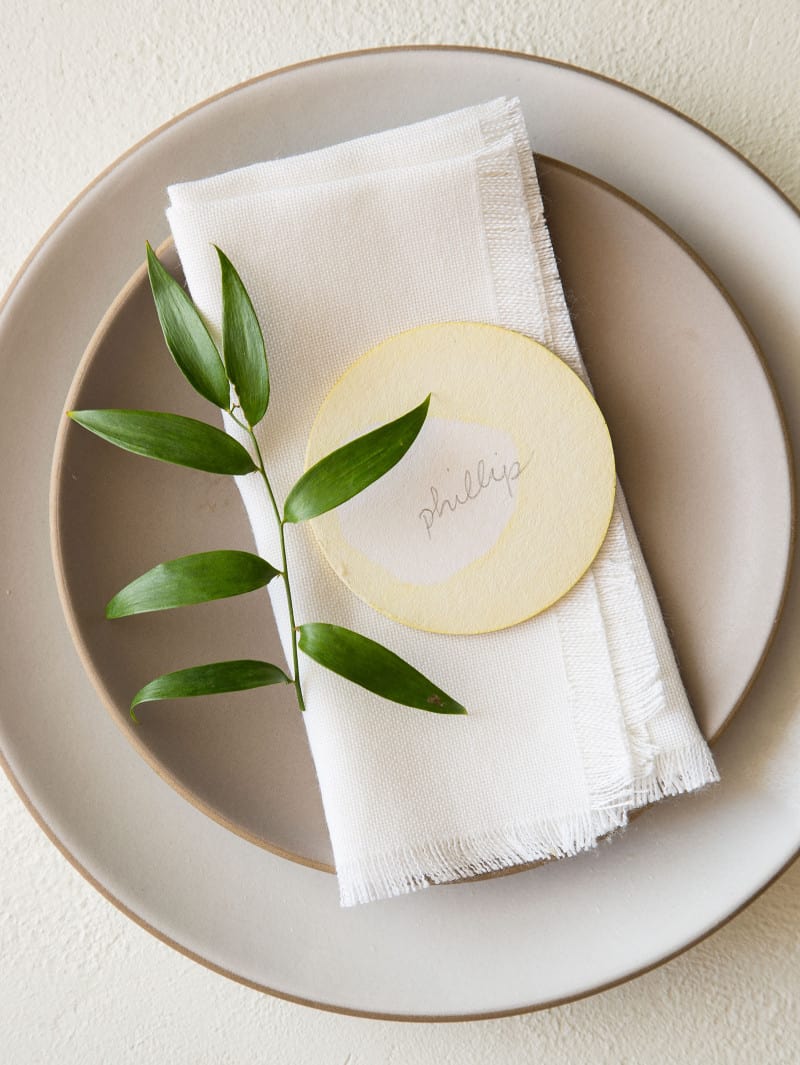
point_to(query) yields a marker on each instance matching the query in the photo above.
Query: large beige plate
(507, 945)
(700, 451)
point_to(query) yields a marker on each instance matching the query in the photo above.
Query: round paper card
(502, 501)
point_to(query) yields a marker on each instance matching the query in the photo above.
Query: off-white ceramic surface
(699, 446)
(80, 981)
(552, 933)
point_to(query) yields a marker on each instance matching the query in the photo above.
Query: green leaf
(168, 437)
(186, 335)
(373, 667)
(192, 579)
(352, 468)
(212, 679)
(243, 344)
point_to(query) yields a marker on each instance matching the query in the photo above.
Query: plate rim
(373, 1015)
(23, 269)
(509, 53)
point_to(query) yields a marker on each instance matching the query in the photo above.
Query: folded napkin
(576, 716)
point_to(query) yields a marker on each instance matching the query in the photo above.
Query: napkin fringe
(635, 662)
(598, 726)
(409, 869)
(507, 121)
(530, 298)
(676, 772)
(637, 670)
(508, 237)
(400, 872)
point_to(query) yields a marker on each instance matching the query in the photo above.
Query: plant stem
(284, 563)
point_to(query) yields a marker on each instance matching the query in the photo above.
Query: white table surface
(80, 82)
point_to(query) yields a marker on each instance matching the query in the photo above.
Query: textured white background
(80, 82)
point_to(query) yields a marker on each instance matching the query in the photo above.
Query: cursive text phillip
(484, 477)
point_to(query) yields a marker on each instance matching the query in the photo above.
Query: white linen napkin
(576, 716)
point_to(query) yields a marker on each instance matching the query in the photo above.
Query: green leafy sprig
(237, 381)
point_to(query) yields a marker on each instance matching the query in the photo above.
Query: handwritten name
(474, 485)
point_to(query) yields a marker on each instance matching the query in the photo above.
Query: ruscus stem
(284, 563)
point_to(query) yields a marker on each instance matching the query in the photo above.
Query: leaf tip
(132, 712)
(154, 268)
(224, 261)
(115, 607)
(444, 705)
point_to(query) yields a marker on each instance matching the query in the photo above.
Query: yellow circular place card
(502, 502)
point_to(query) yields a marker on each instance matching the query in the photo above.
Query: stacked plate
(683, 363)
